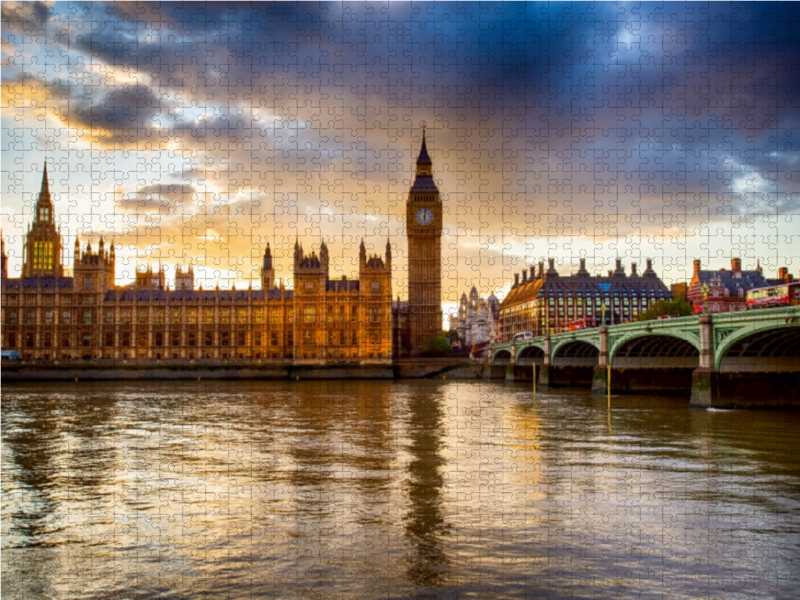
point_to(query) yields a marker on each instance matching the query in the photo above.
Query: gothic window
(340, 313)
(258, 315)
(110, 317)
(48, 300)
(30, 317)
(274, 315)
(191, 339)
(29, 340)
(42, 255)
(225, 339)
(257, 338)
(310, 314)
(309, 286)
(240, 339)
(308, 337)
(65, 340)
(225, 316)
(48, 340)
(176, 338)
(273, 338)
(376, 287)
(241, 316)
(126, 316)
(209, 339)
(12, 317)
(175, 316)
(159, 315)
(355, 338)
(109, 338)
(209, 313)
(44, 213)
(354, 314)
(374, 314)
(87, 282)
(87, 316)
(142, 339)
(374, 336)
(340, 337)
(48, 317)
(192, 316)
(86, 340)
(12, 339)
(159, 339)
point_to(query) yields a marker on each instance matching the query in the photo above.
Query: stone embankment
(108, 370)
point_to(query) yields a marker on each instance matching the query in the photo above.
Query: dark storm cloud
(690, 104)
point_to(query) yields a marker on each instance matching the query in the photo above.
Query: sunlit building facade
(48, 315)
(543, 301)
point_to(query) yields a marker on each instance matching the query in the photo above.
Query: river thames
(418, 489)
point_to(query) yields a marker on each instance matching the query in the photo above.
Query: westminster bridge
(739, 359)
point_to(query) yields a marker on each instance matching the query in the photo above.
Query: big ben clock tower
(424, 232)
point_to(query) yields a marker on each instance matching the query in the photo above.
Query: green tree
(677, 307)
(436, 346)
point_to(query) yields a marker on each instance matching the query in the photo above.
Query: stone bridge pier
(748, 368)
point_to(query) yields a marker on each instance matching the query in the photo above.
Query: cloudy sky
(194, 132)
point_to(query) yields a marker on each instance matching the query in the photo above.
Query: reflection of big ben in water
(424, 232)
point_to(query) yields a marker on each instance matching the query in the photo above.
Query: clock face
(424, 216)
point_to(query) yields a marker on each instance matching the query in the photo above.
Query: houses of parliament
(48, 315)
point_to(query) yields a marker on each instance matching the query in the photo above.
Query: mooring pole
(534, 381)
(608, 381)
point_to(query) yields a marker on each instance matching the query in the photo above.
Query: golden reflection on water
(369, 489)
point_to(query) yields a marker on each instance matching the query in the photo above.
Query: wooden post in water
(534, 381)
(608, 381)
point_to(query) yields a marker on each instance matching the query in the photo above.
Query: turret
(424, 163)
(42, 252)
(3, 257)
(267, 272)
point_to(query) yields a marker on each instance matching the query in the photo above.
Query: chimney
(649, 264)
(582, 268)
(516, 279)
(736, 265)
(524, 276)
(610, 272)
(633, 270)
(783, 272)
(541, 269)
(533, 273)
(696, 267)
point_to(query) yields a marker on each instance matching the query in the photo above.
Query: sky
(196, 133)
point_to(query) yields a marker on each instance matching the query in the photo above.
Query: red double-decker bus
(579, 324)
(786, 294)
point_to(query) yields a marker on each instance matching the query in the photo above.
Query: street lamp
(603, 309)
(704, 289)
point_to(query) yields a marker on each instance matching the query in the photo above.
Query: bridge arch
(575, 353)
(771, 347)
(668, 349)
(530, 354)
(502, 357)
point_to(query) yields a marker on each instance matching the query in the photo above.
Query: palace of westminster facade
(47, 315)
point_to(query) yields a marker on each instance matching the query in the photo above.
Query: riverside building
(544, 302)
(47, 314)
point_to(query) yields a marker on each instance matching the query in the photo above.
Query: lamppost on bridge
(603, 308)
(704, 289)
